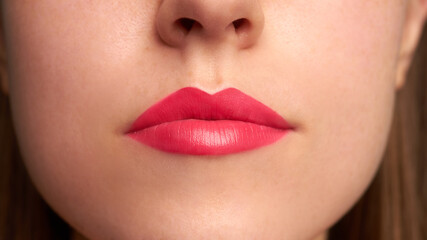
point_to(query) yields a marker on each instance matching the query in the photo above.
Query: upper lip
(193, 103)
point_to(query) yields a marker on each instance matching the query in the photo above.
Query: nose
(238, 21)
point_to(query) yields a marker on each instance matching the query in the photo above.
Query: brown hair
(391, 209)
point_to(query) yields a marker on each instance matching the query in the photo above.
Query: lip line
(194, 104)
(216, 120)
(209, 120)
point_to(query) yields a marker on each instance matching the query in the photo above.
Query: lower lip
(202, 137)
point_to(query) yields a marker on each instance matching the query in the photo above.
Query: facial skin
(80, 72)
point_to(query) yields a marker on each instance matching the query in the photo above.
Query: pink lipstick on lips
(191, 121)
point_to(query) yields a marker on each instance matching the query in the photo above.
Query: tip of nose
(239, 19)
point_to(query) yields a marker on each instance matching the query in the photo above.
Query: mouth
(191, 121)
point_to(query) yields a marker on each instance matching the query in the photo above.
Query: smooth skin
(81, 71)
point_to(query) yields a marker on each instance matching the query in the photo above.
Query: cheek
(68, 88)
(339, 61)
(71, 74)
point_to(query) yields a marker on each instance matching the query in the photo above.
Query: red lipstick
(191, 121)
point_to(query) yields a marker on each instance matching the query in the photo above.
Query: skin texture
(80, 72)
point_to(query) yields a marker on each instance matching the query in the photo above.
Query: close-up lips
(191, 121)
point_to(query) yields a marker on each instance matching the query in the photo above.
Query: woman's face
(81, 72)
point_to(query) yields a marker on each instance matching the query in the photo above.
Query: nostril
(185, 23)
(241, 24)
